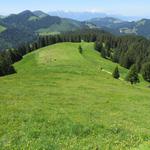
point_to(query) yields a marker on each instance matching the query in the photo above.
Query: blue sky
(123, 7)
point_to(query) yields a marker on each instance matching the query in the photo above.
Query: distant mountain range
(27, 25)
(111, 24)
(87, 15)
(24, 27)
(80, 16)
(120, 27)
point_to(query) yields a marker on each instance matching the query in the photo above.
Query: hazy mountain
(25, 25)
(40, 14)
(106, 22)
(13, 37)
(1, 16)
(141, 27)
(81, 16)
(117, 26)
(30, 21)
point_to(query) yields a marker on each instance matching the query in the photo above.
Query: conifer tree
(116, 73)
(80, 49)
(146, 71)
(98, 46)
(132, 76)
(103, 53)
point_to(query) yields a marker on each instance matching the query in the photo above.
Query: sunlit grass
(60, 99)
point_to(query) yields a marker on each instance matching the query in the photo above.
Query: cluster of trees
(7, 58)
(13, 37)
(131, 77)
(127, 51)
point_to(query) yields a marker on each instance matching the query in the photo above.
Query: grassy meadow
(2, 28)
(60, 99)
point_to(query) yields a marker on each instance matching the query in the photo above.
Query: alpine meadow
(74, 79)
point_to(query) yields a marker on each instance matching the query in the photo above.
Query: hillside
(26, 25)
(80, 16)
(2, 28)
(118, 26)
(61, 99)
(14, 37)
(64, 26)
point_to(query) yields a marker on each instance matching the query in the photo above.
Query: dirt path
(111, 74)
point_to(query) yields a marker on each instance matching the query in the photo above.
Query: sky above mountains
(126, 7)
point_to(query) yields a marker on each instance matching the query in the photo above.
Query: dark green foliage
(80, 49)
(116, 73)
(116, 55)
(108, 45)
(103, 53)
(24, 27)
(146, 71)
(6, 64)
(14, 55)
(126, 61)
(114, 25)
(98, 46)
(132, 75)
(14, 37)
(24, 20)
(125, 50)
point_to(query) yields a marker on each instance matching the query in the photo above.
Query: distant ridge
(87, 15)
(40, 13)
(80, 16)
(26, 25)
(117, 26)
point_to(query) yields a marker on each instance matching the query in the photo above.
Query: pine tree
(146, 71)
(80, 49)
(132, 76)
(116, 73)
(98, 46)
(103, 53)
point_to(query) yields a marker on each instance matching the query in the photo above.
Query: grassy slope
(64, 26)
(2, 28)
(60, 99)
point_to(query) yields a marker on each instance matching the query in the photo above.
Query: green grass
(60, 99)
(33, 18)
(46, 32)
(65, 25)
(2, 28)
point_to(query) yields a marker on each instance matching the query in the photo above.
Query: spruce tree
(116, 73)
(103, 53)
(146, 71)
(98, 46)
(132, 76)
(80, 49)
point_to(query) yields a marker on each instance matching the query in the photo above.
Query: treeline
(7, 58)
